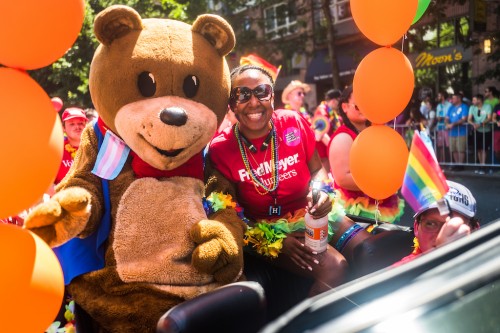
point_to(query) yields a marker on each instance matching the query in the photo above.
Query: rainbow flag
(252, 59)
(424, 182)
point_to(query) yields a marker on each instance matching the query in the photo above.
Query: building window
(341, 10)
(445, 34)
(281, 20)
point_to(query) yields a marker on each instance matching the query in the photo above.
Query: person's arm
(338, 155)
(316, 168)
(470, 120)
(318, 173)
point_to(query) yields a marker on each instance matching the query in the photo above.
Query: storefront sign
(440, 57)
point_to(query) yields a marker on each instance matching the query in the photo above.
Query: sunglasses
(241, 95)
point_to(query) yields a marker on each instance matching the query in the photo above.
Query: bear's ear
(217, 31)
(115, 22)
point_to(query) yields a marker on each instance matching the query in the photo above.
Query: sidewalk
(470, 171)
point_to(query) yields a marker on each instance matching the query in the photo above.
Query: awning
(348, 57)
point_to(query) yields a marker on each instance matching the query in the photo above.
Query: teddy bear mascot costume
(129, 221)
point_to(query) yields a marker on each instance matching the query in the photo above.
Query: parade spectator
(457, 131)
(415, 121)
(328, 109)
(433, 229)
(491, 96)
(270, 157)
(352, 198)
(91, 114)
(496, 133)
(293, 98)
(442, 140)
(479, 118)
(426, 106)
(74, 121)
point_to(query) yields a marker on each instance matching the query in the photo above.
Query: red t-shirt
(66, 163)
(296, 144)
(416, 253)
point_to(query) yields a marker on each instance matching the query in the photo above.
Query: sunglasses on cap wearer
(241, 95)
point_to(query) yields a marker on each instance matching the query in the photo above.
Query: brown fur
(162, 248)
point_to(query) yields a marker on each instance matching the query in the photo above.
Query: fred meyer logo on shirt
(265, 167)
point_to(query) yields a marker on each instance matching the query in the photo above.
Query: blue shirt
(455, 113)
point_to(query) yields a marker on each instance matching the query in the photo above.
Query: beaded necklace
(274, 163)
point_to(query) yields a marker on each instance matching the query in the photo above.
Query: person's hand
(321, 208)
(453, 229)
(301, 255)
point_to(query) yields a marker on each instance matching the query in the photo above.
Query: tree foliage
(67, 78)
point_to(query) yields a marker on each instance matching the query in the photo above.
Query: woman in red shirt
(270, 157)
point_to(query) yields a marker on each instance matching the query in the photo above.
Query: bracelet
(348, 239)
(340, 243)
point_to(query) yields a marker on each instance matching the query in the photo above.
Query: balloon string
(402, 49)
(377, 212)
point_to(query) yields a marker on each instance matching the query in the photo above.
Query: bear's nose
(173, 116)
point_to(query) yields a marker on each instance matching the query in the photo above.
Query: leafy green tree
(67, 78)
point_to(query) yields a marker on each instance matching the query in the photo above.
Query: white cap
(460, 199)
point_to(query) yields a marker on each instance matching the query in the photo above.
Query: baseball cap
(72, 113)
(460, 199)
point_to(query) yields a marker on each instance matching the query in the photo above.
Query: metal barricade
(440, 141)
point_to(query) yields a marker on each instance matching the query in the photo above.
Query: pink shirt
(296, 145)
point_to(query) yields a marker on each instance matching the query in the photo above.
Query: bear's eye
(147, 84)
(190, 86)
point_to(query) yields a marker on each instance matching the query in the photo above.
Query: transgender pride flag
(424, 182)
(111, 157)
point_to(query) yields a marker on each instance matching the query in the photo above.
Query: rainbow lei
(266, 236)
(217, 201)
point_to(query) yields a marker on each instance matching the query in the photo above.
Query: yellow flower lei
(70, 149)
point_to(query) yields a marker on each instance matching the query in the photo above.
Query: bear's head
(159, 84)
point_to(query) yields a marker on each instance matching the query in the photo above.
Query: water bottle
(316, 233)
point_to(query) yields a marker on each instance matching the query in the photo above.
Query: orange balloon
(37, 33)
(31, 283)
(383, 84)
(378, 161)
(383, 22)
(31, 142)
